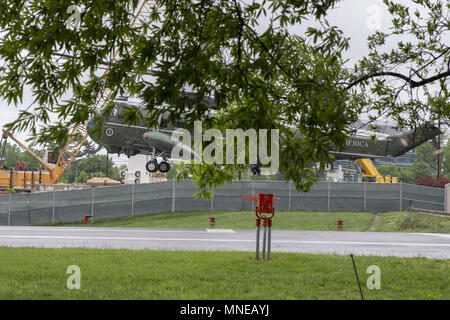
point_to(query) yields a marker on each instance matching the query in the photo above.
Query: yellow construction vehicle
(372, 174)
(20, 178)
(24, 180)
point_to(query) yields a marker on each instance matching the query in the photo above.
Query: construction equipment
(372, 174)
(23, 180)
(20, 178)
(98, 182)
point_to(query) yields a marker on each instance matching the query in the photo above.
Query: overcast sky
(356, 18)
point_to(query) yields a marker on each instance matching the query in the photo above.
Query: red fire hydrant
(340, 225)
(86, 218)
(212, 221)
(264, 211)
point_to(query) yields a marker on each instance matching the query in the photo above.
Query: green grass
(31, 273)
(353, 221)
(412, 222)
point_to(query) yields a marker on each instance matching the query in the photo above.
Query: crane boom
(79, 134)
(26, 149)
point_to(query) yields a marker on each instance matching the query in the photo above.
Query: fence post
(212, 200)
(401, 195)
(9, 209)
(92, 203)
(290, 205)
(53, 207)
(253, 194)
(328, 197)
(173, 195)
(132, 200)
(365, 196)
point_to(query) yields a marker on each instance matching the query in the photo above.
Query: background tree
(14, 153)
(90, 167)
(395, 80)
(425, 163)
(260, 76)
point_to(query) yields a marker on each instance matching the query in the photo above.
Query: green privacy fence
(132, 200)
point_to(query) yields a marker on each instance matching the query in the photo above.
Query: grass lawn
(32, 273)
(412, 222)
(354, 221)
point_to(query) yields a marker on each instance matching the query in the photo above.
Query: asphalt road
(358, 243)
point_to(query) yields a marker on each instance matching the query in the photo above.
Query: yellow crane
(78, 134)
(372, 174)
(22, 179)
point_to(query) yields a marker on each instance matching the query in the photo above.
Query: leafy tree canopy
(261, 76)
(90, 167)
(13, 153)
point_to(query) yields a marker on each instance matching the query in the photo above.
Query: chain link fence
(133, 200)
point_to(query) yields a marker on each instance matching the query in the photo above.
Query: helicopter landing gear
(153, 166)
(164, 166)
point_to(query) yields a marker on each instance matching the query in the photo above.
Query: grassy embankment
(353, 221)
(31, 273)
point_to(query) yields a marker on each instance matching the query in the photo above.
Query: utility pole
(439, 151)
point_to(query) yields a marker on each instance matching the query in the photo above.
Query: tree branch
(412, 83)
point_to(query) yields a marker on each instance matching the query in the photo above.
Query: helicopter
(118, 137)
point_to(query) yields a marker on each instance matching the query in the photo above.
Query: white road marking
(228, 240)
(87, 229)
(221, 230)
(436, 235)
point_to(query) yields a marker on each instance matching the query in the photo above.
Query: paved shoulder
(357, 243)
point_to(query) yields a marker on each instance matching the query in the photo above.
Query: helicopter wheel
(164, 167)
(152, 166)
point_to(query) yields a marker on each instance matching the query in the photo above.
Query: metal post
(269, 240)
(264, 239)
(212, 200)
(328, 197)
(438, 175)
(107, 160)
(290, 206)
(348, 172)
(253, 192)
(53, 207)
(132, 200)
(9, 209)
(173, 195)
(365, 196)
(357, 278)
(258, 229)
(92, 204)
(401, 196)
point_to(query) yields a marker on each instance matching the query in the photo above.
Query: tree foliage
(90, 167)
(424, 166)
(14, 153)
(260, 75)
(419, 65)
